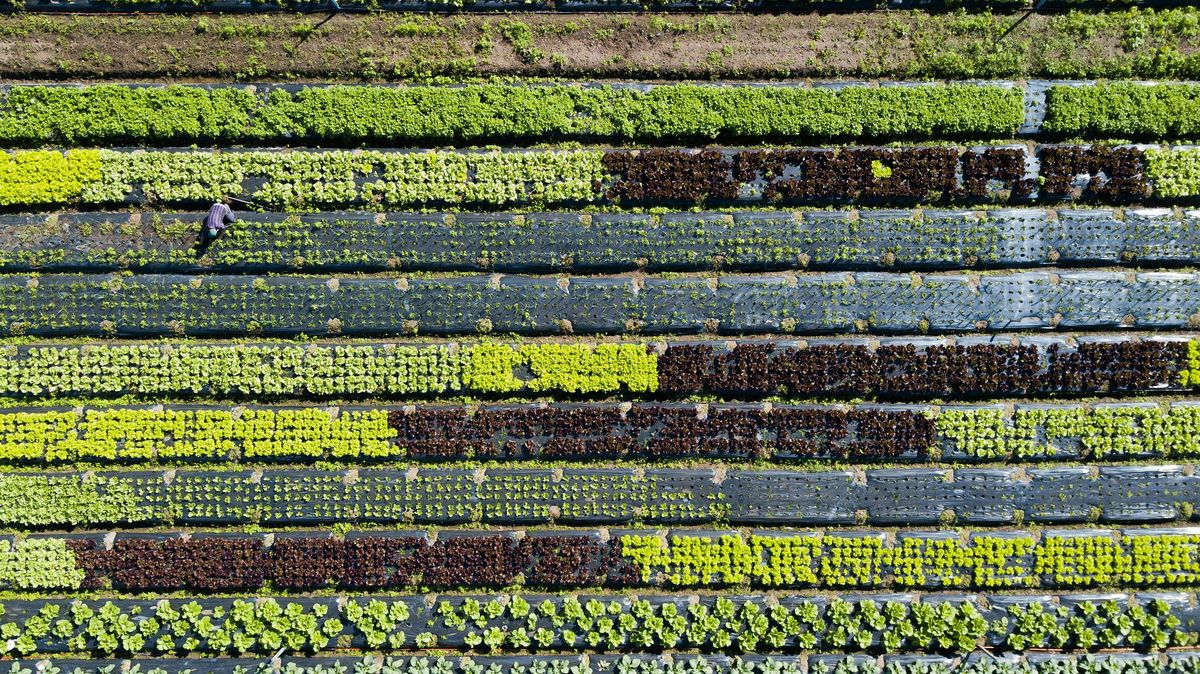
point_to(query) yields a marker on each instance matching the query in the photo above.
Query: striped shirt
(219, 217)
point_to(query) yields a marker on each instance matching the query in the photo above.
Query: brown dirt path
(715, 46)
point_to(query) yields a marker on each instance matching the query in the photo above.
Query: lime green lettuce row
(867, 560)
(325, 370)
(98, 115)
(572, 368)
(1191, 375)
(46, 177)
(1100, 431)
(166, 435)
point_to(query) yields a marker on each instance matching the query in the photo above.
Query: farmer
(219, 217)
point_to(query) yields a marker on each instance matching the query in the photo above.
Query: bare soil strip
(391, 47)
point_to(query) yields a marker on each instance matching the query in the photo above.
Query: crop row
(442, 432)
(428, 115)
(1124, 110)
(554, 242)
(938, 559)
(305, 179)
(242, 370)
(599, 431)
(1151, 493)
(163, 305)
(954, 624)
(972, 367)
(566, 6)
(1176, 662)
(476, 113)
(301, 562)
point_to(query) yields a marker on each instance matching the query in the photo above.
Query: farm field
(574, 337)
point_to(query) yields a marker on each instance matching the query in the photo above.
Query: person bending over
(220, 217)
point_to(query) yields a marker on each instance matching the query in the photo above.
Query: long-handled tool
(248, 203)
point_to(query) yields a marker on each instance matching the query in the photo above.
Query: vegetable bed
(575, 496)
(302, 561)
(425, 115)
(549, 242)
(715, 623)
(391, 179)
(505, 377)
(162, 305)
(583, 432)
(967, 367)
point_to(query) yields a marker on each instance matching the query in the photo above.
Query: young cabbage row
(614, 623)
(1181, 662)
